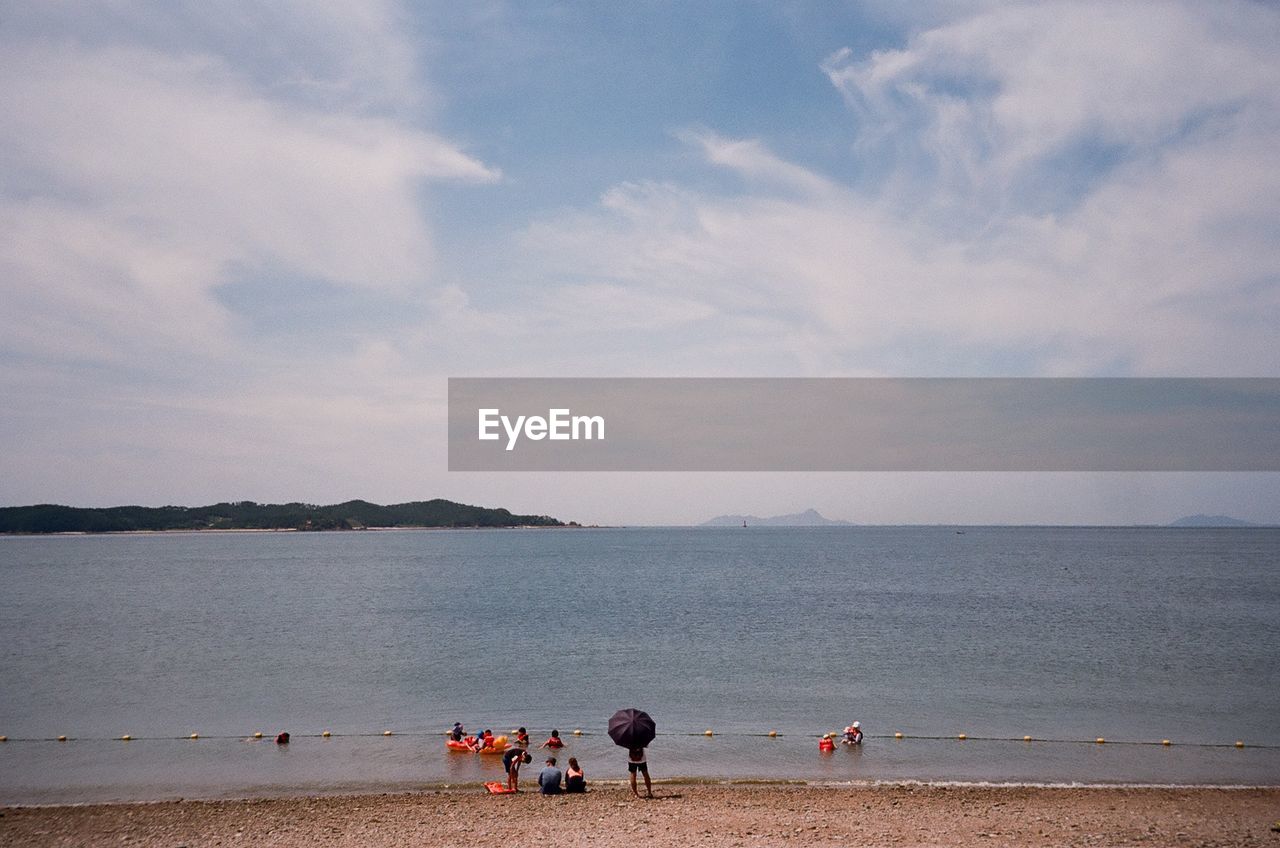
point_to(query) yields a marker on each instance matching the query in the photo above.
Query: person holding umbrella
(634, 730)
(637, 761)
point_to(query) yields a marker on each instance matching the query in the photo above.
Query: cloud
(352, 57)
(979, 106)
(139, 180)
(754, 161)
(152, 156)
(1067, 189)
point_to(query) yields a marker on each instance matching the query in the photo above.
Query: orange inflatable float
(467, 745)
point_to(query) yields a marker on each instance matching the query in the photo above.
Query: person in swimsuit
(638, 762)
(511, 761)
(575, 780)
(554, 742)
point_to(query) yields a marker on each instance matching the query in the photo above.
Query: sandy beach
(703, 815)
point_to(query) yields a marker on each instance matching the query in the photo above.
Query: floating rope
(707, 734)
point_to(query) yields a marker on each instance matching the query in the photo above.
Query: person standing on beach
(637, 761)
(549, 778)
(511, 761)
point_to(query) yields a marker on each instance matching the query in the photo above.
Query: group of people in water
(482, 740)
(852, 736)
(551, 780)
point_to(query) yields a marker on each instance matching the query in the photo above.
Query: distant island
(247, 515)
(808, 518)
(1212, 521)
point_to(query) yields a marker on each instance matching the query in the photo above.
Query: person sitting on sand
(575, 780)
(853, 734)
(549, 778)
(554, 742)
(522, 737)
(637, 761)
(457, 733)
(511, 761)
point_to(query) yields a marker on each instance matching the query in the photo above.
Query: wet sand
(701, 815)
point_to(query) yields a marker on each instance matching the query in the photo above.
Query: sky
(243, 246)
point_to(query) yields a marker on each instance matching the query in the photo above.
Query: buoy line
(710, 734)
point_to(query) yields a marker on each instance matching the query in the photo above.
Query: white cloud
(1057, 188)
(1154, 128)
(755, 162)
(990, 99)
(138, 181)
(348, 56)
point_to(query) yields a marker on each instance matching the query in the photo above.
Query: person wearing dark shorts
(638, 762)
(511, 761)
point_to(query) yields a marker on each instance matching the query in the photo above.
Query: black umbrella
(632, 728)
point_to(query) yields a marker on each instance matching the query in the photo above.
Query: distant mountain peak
(1211, 521)
(809, 518)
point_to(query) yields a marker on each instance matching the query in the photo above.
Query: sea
(725, 636)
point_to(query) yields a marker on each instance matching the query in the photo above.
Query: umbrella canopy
(632, 728)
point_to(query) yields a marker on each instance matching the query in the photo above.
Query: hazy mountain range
(1212, 521)
(813, 518)
(808, 518)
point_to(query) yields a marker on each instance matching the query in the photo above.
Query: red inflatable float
(468, 745)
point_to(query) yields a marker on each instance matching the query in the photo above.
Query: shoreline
(580, 526)
(722, 814)
(472, 787)
(219, 530)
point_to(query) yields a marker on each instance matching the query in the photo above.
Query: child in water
(522, 737)
(554, 742)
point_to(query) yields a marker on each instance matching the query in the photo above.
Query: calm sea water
(1062, 633)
